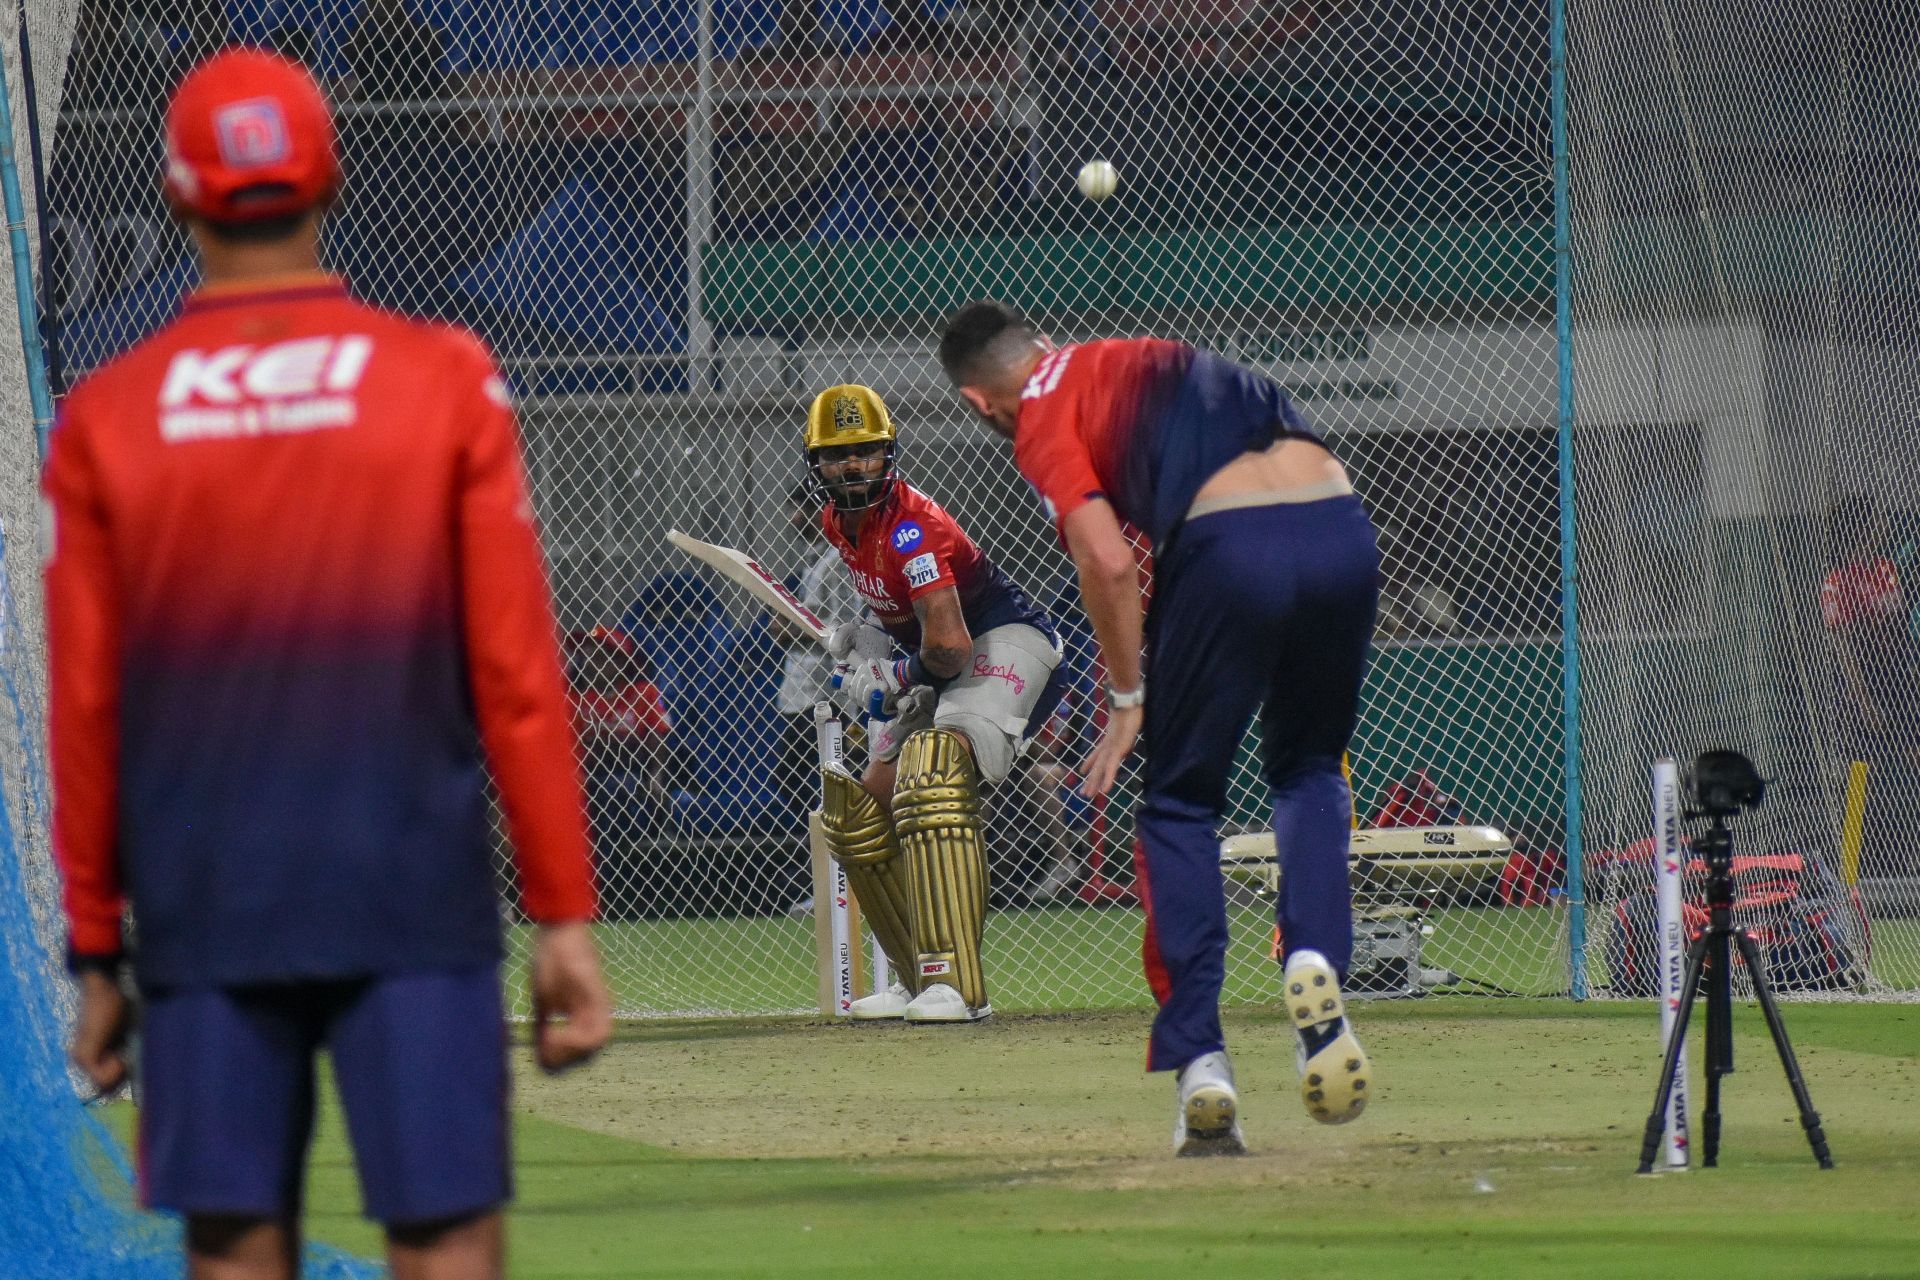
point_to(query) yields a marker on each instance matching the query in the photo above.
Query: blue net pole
(1569, 578)
(24, 294)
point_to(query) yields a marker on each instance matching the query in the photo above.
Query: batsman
(960, 671)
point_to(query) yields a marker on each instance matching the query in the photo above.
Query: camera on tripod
(1723, 784)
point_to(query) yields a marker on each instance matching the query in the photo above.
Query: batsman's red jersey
(908, 548)
(295, 604)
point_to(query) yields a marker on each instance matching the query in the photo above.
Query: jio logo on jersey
(907, 537)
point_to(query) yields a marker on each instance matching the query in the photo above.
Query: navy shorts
(420, 1062)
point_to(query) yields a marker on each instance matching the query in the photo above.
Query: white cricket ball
(1097, 179)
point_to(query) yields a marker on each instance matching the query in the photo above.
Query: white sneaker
(1207, 1120)
(941, 1003)
(1335, 1075)
(1057, 884)
(891, 1003)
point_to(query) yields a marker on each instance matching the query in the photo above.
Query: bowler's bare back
(1283, 466)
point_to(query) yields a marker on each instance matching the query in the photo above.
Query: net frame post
(1569, 578)
(26, 297)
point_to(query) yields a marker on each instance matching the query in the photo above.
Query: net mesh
(1744, 233)
(676, 222)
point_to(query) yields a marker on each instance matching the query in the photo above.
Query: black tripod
(1711, 952)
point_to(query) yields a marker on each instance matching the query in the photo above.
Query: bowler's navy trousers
(1268, 609)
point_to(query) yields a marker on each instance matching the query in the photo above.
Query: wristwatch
(1134, 697)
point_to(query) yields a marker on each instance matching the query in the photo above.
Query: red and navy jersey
(1143, 423)
(295, 606)
(1863, 593)
(908, 548)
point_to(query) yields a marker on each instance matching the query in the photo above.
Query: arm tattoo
(944, 661)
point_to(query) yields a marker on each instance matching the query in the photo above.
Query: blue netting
(66, 1205)
(64, 1209)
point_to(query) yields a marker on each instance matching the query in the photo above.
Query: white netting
(1743, 202)
(676, 221)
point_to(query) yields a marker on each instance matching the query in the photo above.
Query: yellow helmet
(850, 414)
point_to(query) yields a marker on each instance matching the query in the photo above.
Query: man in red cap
(296, 606)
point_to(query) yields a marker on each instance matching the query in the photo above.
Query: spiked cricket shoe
(891, 1003)
(1335, 1075)
(1207, 1120)
(941, 1003)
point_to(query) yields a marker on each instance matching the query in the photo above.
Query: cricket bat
(836, 913)
(744, 571)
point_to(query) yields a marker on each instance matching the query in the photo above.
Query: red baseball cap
(249, 136)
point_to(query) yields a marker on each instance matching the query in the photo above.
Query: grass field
(762, 963)
(1039, 958)
(1501, 1143)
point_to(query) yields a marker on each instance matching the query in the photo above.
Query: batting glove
(850, 640)
(840, 639)
(871, 683)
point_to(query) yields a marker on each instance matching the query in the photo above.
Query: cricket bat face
(743, 570)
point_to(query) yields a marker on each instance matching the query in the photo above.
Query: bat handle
(827, 734)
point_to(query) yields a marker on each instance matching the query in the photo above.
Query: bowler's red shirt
(1142, 423)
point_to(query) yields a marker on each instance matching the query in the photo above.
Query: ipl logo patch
(252, 134)
(907, 537)
(922, 571)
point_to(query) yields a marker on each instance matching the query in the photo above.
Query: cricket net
(1744, 233)
(676, 222)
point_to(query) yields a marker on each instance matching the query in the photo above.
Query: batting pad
(936, 810)
(861, 839)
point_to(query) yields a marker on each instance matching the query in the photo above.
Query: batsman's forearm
(945, 643)
(944, 661)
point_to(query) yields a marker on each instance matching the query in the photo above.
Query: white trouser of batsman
(991, 702)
